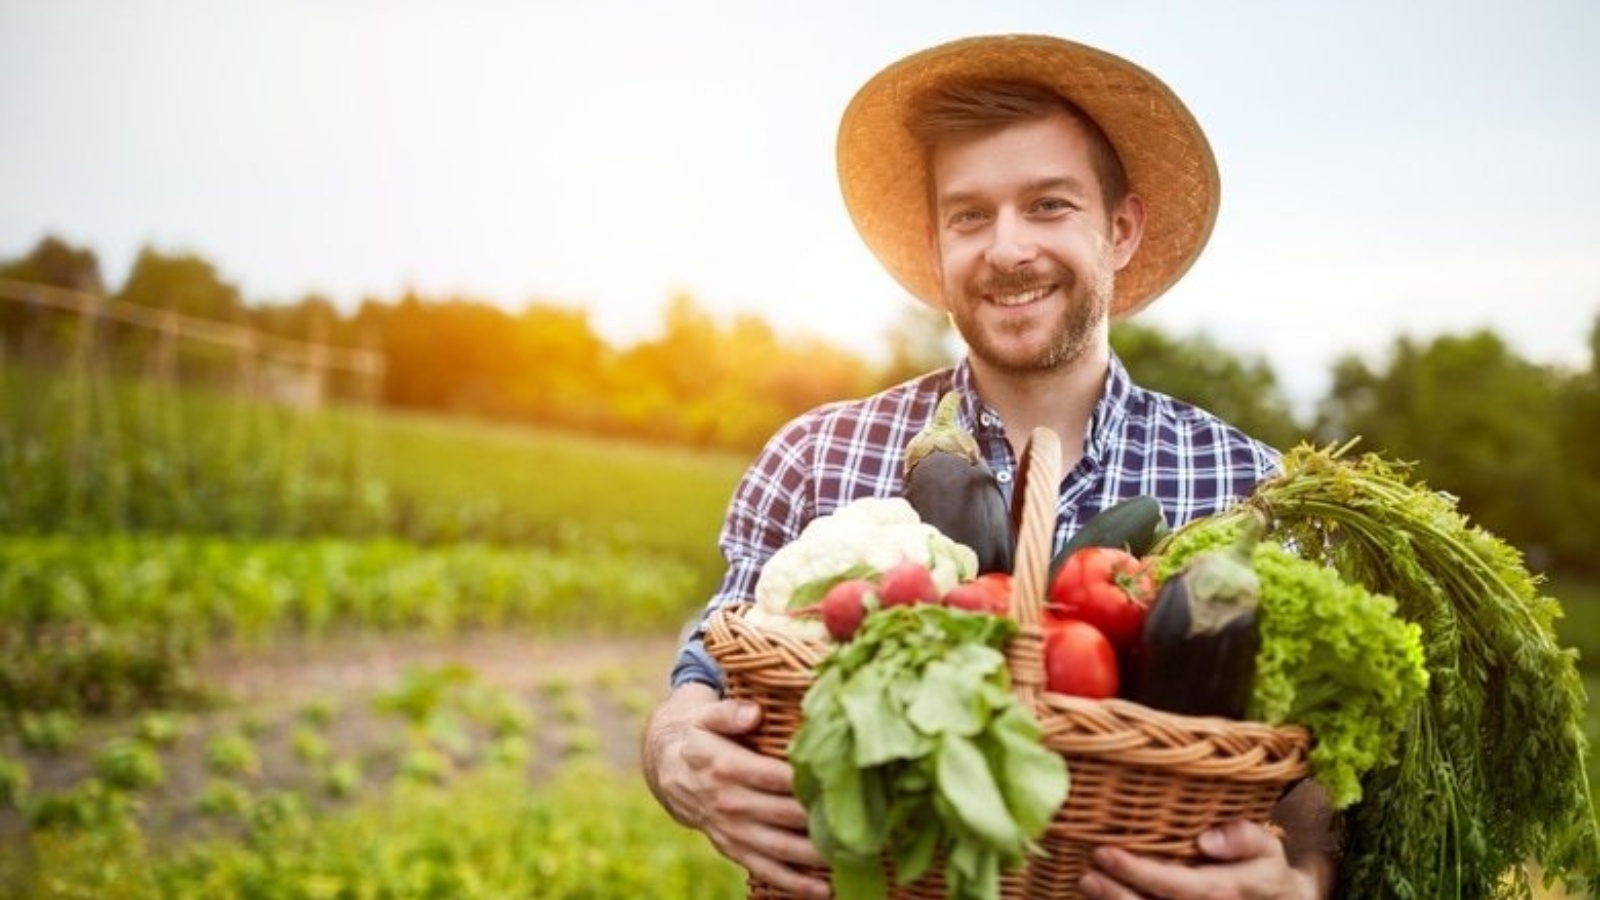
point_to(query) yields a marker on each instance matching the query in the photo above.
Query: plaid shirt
(1139, 443)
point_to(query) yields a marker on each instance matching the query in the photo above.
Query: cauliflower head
(861, 539)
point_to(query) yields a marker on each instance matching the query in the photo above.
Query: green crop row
(108, 624)
(586, 833)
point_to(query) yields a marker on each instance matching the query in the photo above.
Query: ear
(1127, 229)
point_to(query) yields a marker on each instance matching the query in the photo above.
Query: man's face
(1027, 252)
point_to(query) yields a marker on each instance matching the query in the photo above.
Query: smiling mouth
(1021, 298)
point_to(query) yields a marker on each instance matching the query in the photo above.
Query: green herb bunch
(915, 751)
(1490, 773)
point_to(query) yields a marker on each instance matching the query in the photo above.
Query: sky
(1388, 168)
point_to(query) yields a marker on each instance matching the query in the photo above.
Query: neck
(1061, 399)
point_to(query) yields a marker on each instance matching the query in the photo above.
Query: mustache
(1016, 281)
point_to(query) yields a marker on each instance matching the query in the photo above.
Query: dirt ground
(573, 695)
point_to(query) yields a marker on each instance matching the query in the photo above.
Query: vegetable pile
(915, 748)
(1341, 596)
(1490, 766)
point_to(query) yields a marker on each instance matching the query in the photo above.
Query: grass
(96, 455)
(558, 485)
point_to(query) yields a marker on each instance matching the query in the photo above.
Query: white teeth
(1021, 299)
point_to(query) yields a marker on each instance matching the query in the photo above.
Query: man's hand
(1244, 862)
(742, 800)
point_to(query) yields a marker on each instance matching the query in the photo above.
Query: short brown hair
(979, 107)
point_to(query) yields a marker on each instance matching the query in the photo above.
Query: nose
(1010, 244)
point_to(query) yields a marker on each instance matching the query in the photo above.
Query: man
(1035, 190)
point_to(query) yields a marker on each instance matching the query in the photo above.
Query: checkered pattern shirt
(1139, 442)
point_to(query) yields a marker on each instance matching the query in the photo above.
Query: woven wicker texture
(1141, 779)
(1167, 158)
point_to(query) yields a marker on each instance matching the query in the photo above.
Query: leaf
(812, 592)
(850, 814)
(1036, 781)
(863, 880)
(964, 778)
(882, 733)
(915, 858)
(946, 703)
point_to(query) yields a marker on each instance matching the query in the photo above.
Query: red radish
(844, 606)
(999, 585)
(974, 596)
(906, 583)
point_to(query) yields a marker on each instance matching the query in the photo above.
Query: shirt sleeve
(769, 509)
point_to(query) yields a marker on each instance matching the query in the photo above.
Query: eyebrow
(1065, 183)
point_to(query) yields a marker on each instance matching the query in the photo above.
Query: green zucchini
(1134, 525)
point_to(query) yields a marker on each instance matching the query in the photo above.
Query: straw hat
(1168, 160)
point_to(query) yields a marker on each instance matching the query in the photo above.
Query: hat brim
(1169, 163)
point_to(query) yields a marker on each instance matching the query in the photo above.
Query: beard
(1071, 332)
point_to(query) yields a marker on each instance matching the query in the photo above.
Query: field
(355, 655)
(336, 654)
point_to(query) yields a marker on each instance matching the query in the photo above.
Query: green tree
(54, 262)
(1243, 391)
(183, 283)
(562, 372)
(1475, 419)
(1577, 470)
(51, 262)
(454, 356)
(705, 383)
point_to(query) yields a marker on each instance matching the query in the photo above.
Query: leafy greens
(914, 749)
(1490, 772)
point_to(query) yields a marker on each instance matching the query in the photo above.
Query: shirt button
(1003, 476)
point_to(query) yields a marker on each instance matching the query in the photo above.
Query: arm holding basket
(742, 800)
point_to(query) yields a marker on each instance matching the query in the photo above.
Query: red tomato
(1079, 660)
(1109, 588)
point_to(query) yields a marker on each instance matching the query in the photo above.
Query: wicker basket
(1141, 779)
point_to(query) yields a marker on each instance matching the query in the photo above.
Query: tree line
(1517, 441)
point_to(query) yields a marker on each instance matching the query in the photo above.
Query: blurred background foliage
(192, 481)
(1518, 442)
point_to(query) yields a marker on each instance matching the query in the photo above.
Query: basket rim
(779, 649)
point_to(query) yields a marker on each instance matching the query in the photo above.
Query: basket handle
(1038, 480)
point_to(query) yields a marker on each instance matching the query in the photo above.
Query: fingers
(1243, 860)
(1122, 875)
(1239, 841)
(720, 759)
(744, 801)
(778, 856)
(730, 717)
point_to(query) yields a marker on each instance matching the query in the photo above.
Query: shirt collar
(977, 417)
(1109, 410)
